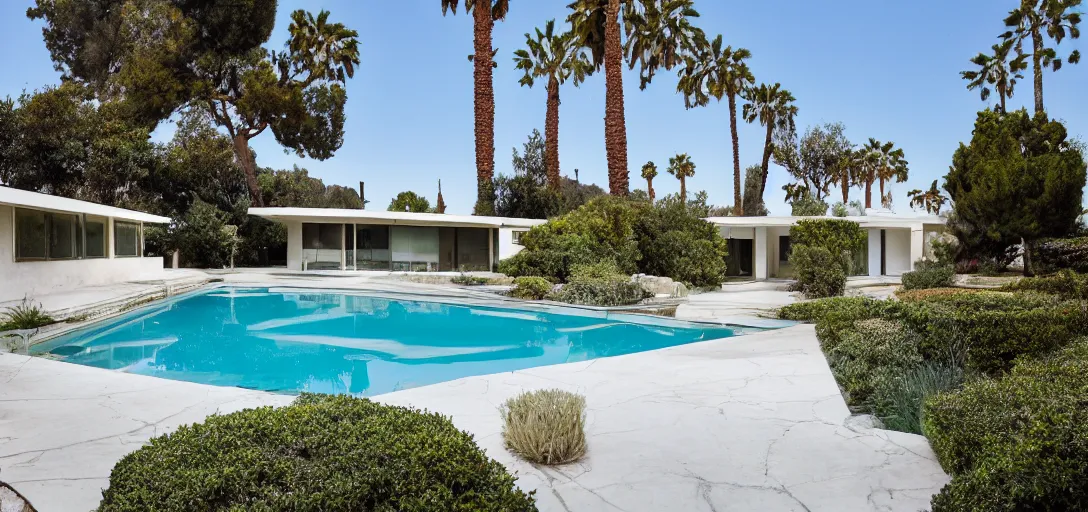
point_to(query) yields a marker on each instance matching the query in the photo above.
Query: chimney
(362, 198)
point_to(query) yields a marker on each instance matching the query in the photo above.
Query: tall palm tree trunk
(738, 202)
(249, 167)
(650, 188)
(615, 125)
(882, 190)
(1037, 60)
(868, 194)
(683, 190)
(484, 104)
(1001, 96)
(551, 134)
(768, 146)
(845, 188)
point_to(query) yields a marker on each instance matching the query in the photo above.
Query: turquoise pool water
(287, 340)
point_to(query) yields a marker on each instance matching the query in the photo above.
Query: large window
(322, 245)
(46, 236)
(414, 248)
(96, 238)
(372, 244)
(126, 239)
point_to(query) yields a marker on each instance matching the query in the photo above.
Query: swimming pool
(290, 340)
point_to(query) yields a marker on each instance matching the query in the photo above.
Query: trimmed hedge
(873, 350)
(836, 235)
(929, 293)
(1065, 284)
(815, 310)
(820, 273)
(320, 453)
(928, 275)
(1018, 443)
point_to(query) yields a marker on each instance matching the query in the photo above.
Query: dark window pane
(126, 239)
(30, 234)
(310, 236)
(96, 239)
(331, 236)
(783, 248)
(62, 236)
(473, 251)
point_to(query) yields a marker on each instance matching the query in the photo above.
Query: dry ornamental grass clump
(545, 426)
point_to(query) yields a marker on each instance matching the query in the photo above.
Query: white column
(759, 243)
(294, 245)
(343, 247)
(875, 255)
(917, 245)
(110, 253)
(490, 250)
(354, 247)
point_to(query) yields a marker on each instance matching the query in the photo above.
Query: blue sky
(886, 69)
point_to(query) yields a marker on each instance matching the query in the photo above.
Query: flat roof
(24, 198)
(868, 221)
(350, 216)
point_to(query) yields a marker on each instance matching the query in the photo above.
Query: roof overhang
(35, 200)
(349, 216)
(865, 221)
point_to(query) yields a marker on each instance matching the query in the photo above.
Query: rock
(661, 285)
(862, 422)
(12, 501)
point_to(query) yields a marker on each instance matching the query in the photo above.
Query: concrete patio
(747, 423)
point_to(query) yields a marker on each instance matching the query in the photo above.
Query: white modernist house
(759, 247)
(49, 243)
(341, 239)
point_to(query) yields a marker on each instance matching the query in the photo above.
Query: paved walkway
(748, 423)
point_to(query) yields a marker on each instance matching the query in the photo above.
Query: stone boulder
(661, 285)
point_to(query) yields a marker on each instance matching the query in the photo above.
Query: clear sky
(886, 69)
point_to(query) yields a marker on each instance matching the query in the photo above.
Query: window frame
(515, 236)
(139, 239)
(105, 222)
(49, 215)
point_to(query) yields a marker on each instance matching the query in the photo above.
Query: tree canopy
(1019, 179)
(409, 201)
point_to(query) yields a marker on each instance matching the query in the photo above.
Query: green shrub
(897, 399)
(839, 237)
(928, 275)
(988, 332)
(546, 426)
(1018, 443)
(872, 351)
(600, 284)
(321, 453)
(1065, 284)
(930, 293)
(819, 272)
(531, 288)
(815, 310)
(668, 239)
(675, 242)
(467, 280)
(1062, 253)
(25, 315)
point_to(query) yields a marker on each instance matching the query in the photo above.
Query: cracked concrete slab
(754, 422)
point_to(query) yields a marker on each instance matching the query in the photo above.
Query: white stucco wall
(507, 247)
(34, 278)
(294, 245)
(897, 251)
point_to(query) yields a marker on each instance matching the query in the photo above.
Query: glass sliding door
(473, 249)
(414, 249)
(372, 247)
(322, 245)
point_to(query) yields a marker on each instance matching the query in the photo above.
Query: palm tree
(330, 50)
(649, 172)
(556, 58)
(485, 13)
(773, 107)
(718, 72)
(932, 200)
(883, 162)
(656, 36)
(996, 70)
(848, 170)
(1037, 20)
(683, 168)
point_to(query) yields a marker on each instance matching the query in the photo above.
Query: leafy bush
(1018, 443)
(668, 239)
(873, 351)
(546, 426)
(25, 315)
(928, 275)
(531, 288)
(930, 293)
(600, 284)
(898, 397)
(1065, 284)
(816, 310)
(808, 206)
(320, 453)
(819, 272)
(839, 237)
(467, 280)
(1062, 253)
(675, 242)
